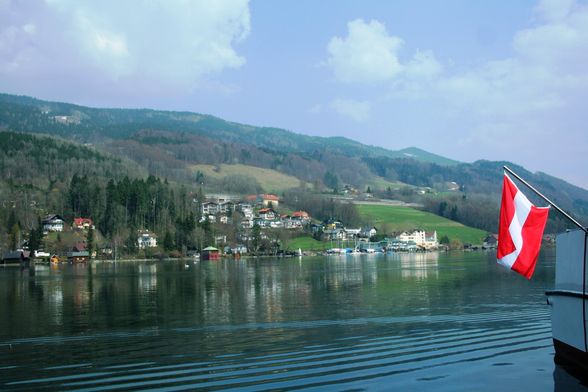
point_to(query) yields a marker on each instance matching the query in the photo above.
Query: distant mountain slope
(425, 156)
(86, 124)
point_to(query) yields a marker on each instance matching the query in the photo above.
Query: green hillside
(270, 180)
(394, 218)
(28, 114)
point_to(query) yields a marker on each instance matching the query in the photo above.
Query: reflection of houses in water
(270, 293)
(222, 295)
(419, 265)
(349, 271)
(81, 291)
(51, 279)
(56, 302)
(265, 291)
(147, 277)
(252, 291)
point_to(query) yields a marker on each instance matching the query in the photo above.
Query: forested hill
(42, 175)
(204, 151)
(85, 124)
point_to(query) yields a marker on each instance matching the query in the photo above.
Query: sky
(469, 80)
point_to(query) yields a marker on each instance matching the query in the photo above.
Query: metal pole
(575, 222)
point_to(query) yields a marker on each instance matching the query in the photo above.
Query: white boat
(569, 301)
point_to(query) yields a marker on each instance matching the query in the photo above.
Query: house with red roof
(267, 214)
(301, 215)
(83, 223)
(267, 199)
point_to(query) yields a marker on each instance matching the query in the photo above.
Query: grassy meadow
(307, 243)
(271, 180)
(396, 218)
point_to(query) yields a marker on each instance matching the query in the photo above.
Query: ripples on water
(410, 322)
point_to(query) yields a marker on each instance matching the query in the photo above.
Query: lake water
(434, 321)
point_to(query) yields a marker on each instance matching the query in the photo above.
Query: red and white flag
(520, 230)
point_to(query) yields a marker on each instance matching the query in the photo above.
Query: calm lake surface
(434, 321)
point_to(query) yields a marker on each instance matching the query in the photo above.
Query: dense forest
(42, 175)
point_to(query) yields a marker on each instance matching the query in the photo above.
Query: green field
(270, 180)
(306, 243)
(395, 218)
(379, 183)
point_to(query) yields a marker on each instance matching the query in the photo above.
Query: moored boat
(568, 300)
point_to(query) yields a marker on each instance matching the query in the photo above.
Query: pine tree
(15, 236)
(168, 242)
(256, 234)
(90, 241)
(34, 241)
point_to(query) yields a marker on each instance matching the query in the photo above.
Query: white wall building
(146, 240)
(424, 239)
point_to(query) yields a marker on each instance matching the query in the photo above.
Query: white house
(431, 239)
(210, 218)
(246, 209)
(52, 223)
(267, 214)
(225, 219)
(209, 208)
(291, 223)
(421, 238)
(368, 232)
(226, 207)
(335, 234)
(352, 233)
(301, 216)
(146, 239)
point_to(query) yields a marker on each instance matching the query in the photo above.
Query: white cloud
(165, 43)
(356, 110)
(548, 71)
(370, 55)
(532, 104)
(367, 54)
(522, 107)
(423, 65)
(554, 10)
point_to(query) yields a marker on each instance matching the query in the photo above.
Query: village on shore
(258, 220)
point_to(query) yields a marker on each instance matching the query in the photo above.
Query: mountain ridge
(281, 139)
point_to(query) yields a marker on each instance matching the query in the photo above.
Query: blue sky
(465, 79)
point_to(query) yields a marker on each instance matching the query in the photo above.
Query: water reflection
(105, 294)
(420, 265)
(414, 321)
(147, 278)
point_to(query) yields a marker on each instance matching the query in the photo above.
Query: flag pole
(575, 222)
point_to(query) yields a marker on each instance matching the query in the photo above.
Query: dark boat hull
(567, 355)
(572, 360)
